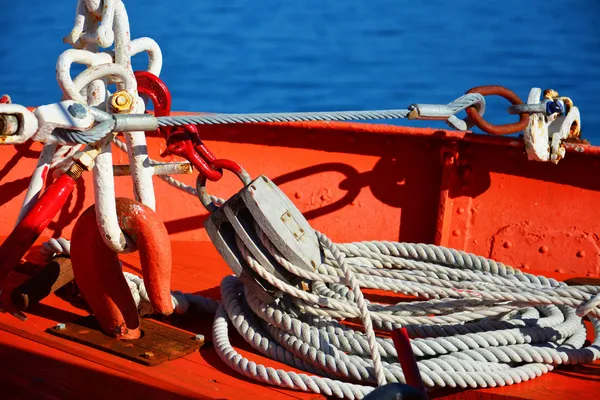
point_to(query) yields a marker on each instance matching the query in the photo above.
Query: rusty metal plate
(159, 343)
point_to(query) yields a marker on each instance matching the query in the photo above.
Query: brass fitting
(121, 102)
(75, 171)
(85, 159)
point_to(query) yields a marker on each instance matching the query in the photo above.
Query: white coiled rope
(476, 323)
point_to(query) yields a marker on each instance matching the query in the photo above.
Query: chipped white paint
(89, 59)
(99, 24)
(87, 11)
(536, 138)
(544, 135)
(27, 127)
(57, 115)
(104, 23)
(106, 209)
(141, 170)
(147, 45)
(124, 76)
(560, 130)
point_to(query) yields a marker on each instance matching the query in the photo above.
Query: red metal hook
(99, 276)
(153, 87)
(182, 141)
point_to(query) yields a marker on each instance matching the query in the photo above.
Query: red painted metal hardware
(223, 164)
(407, 359)
(152, 86)
(181, 144)
(497, 129)
(183, 141)
(33, 224)
(99, 275)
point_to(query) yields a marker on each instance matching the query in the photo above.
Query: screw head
(60, 327)
(199, 337)
(77, 110)
(148, 354)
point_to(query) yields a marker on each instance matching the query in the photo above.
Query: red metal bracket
(98, 272)
(183, 141)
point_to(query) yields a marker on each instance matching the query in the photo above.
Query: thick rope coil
(474, 323)
(470, 341)
(465, 339)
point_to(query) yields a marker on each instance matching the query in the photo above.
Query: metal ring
(228, 165)
(497, 129)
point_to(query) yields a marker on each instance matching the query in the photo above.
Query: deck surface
(35, 364)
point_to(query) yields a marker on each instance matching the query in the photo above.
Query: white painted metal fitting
(57, 115)
(560, 130)
(27, 123)
(544, 135)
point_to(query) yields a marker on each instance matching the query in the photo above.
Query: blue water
(277, 55)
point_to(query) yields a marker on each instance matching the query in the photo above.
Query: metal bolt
(507, 245)
(543, 249)
(77, 110)
(199, 338)
(148, 354)
(121, 102)
(460, 210)
(60, 327)
(581, 253)
(456, 232)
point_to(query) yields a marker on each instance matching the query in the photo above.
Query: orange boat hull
(352, 182)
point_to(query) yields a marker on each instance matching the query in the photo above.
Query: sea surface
(318, 55)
